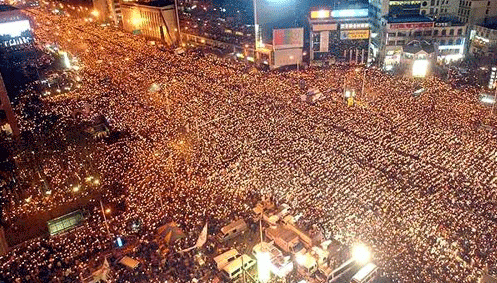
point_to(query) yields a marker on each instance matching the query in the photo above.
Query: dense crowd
(412, 177)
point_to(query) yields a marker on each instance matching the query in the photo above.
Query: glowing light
(349, 13)
(321, 14)
(361, 254)
(300, 258)
(119, 242)
(263, 265)
(107, 210)
(14, 29)
(75, 189)
(487, 99)
(65, 57)
(95, 13)
(420, 68)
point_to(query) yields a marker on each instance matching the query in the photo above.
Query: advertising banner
(288, 38)
(324, 41)
(15, 33)
(354, 34)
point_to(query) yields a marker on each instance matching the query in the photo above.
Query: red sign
(411, 25)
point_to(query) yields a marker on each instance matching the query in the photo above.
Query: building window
(431, 10)
(425, 3)
(432, 2)
(444, 32)
(391, 34)
(423, 12)
(451, 32)
(391, 42)
(399, 34)
(427, 33)
(417, 33)
(458, 41)
(451, 41)
(459, 31)
(401, 42)
(442, 42)
(435, 32)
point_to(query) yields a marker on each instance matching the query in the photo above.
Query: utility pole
(493, 104)
(363, 82)
(105, 218)
(177, 22)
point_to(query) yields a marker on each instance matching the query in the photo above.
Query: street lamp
(95, 13)
(361, 254)
(263, 264)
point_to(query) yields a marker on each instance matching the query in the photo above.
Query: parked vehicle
(286, 239)
(281, 266)
(235, 268)
(223, 259)
(232, 230)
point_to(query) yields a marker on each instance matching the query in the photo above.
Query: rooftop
(454, 21)
(156, 3)
(4, 8)
(491, 25)
(407, 19)
(329, 5)
(416, 46)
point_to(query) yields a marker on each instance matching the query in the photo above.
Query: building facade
(484, 40)
(154, 20)
(339, 35)
(447, 37)
(439, 8)
(477, 11)
(108, 10)
(8, 121)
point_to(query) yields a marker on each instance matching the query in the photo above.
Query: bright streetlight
(95, 13)
(361, 254)
(263, 264)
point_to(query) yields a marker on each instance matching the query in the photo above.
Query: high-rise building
(156, 19)
(439, 8)
(108, 10)
(8, 122)
(397, 23)
(339, 33)
(477, 11)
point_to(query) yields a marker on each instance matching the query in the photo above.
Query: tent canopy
(129, 262)
(169, 233)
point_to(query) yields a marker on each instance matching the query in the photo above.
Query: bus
(367, 274)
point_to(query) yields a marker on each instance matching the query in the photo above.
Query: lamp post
(105, 218)
(363, 82)
(177, 21)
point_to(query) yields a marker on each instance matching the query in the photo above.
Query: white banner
(324, 41)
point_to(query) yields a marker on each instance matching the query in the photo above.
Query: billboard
(354, 34)
(15, 33)
(321, 14)
(350, 13)
(274, 14)
(287, 57)
(288, 38)
(65, 222)
(411, 25)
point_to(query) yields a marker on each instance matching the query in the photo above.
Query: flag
(202, 238)
(102, 273)
(167, 239)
